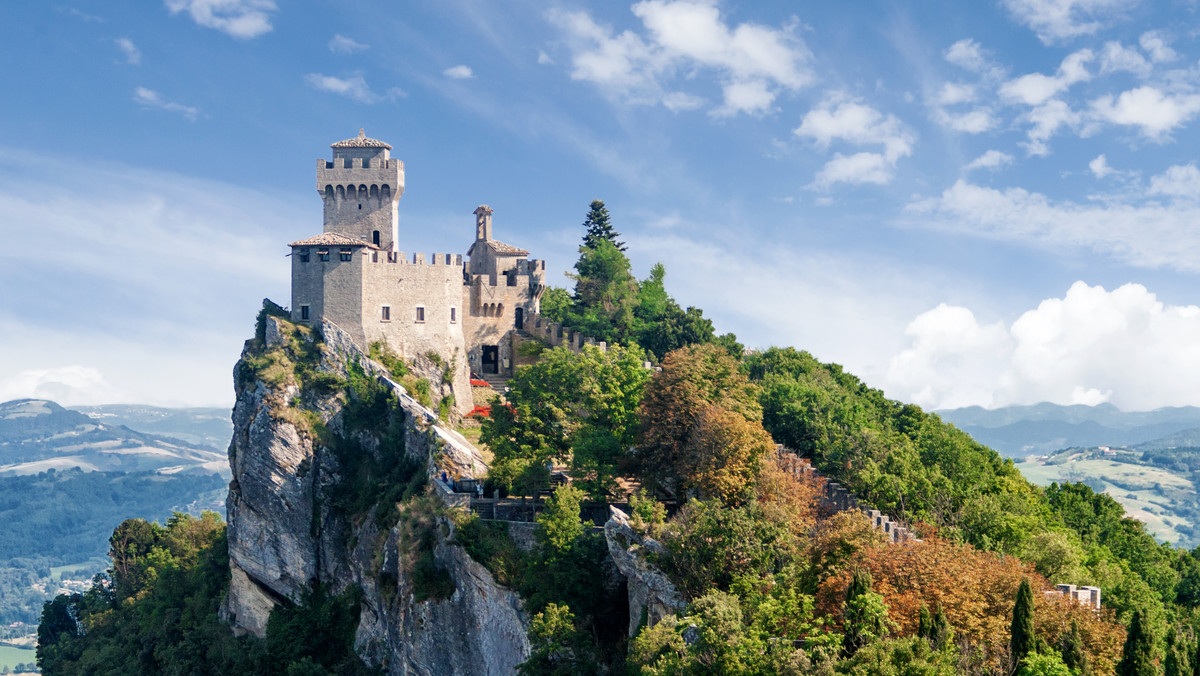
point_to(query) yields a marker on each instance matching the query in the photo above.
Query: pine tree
(942, 633)
(1022, 624)
(1072, 650)
(599, 228)
(1177, 661)
(924, 623)
(1138, 656)
(865, 615)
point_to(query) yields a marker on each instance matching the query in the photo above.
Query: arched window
(386, 192)
(500, 310)
(329, 192)
(341, 193)
(374, 192)
(350, 192)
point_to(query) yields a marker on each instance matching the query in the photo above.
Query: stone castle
(354, 275)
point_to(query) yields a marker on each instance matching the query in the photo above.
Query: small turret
(483, 223)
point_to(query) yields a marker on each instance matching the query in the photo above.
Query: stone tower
(361, 188)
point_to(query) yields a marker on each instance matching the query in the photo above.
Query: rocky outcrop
(650, 592)
(283, 535)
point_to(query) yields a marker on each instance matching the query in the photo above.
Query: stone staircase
(498, 382)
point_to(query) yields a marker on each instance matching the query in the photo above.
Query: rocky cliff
(303, 510)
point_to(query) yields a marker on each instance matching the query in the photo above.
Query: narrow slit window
(303, 312)
(453, 315)
(385, 313)
(420, 314)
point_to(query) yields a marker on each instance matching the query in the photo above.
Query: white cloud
(1046, 120)
(1156, 46)
(838, 118)
(351, 87)
(676, 101)
(243, 19)
(955, 92)
(992, 159)
(340, 44)
(1117, 57)
(1135, 232)
(459, 72)
(1099, 166)
(1035, 89)
(544, 59)
(752, 63)
(1156, 114)
(133, 56)
(968, 54)
(972, 122)
(1055, 20)
(1180, 181)
(1091, 346)
(149, 98)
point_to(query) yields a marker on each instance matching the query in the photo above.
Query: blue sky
(982, 203)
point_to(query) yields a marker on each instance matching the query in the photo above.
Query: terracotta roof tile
(332, 239)
(361, 141)
(502, 248)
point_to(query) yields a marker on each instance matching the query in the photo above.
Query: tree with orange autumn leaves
(976, 589)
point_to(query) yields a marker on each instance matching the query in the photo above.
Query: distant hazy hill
(1189, 438)
(37, 435)
(1044, 428)
(208, 427)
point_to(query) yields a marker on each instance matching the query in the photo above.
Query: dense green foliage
(577, 408)
(158, 614)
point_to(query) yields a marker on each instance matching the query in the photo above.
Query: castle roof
(361, 141)
(332, 239)
(505, 249)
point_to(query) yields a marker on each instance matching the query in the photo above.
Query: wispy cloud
(243, 19)
(752, 63)
(459, 72)
(354, 87)
(133, 56)
(840, 118)
(1059, 20)
(149, 98)
(340, 44)
(992, 159)
(1132, 226)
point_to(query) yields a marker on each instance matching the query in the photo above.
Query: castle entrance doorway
(491, 358)
(520, 317)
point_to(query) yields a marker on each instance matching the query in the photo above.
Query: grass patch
(488, 544)
(420, 524)
(383, 354)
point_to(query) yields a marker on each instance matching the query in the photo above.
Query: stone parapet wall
(555, 334)
(838, 498)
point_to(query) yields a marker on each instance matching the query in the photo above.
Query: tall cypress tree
(941, 631)
(1022, 624)
(1138, 656)
(598, 227)
(1072, 650)
(924, 623)
(1176, 662)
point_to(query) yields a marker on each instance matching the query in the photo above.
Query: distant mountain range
(1044, 428)
(37, 435)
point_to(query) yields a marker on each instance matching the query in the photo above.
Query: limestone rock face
(649, 588)
(283, 535)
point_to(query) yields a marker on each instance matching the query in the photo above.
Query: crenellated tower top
(361, 187)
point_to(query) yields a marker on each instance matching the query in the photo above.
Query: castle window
(304, 312)
(500, 310)
(323, 255)
(346, 254)
(385, 313)
(420, 314)
(453, 315)
(360, 207)
(375, 238)
(304, 255)
(512, 277)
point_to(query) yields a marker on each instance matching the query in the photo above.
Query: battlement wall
(555, 334)
(401, 258)
(360, 163)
